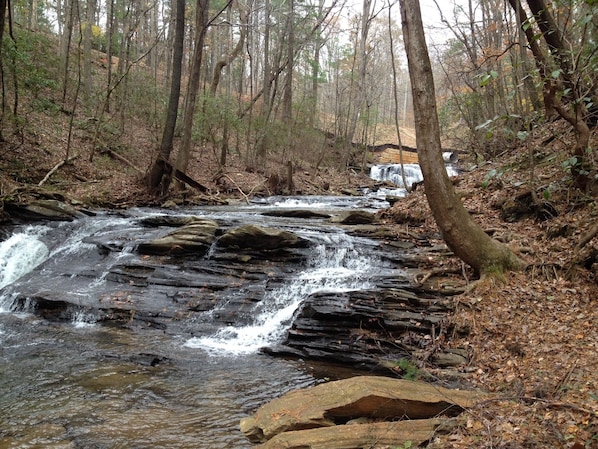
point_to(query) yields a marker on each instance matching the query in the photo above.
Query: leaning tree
(462, 234)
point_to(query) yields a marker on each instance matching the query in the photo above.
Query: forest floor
(532, 336)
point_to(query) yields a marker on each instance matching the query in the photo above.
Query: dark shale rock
(296, 213)
(174, 221)
(369, 329)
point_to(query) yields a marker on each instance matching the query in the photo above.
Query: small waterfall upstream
(21, 253)
(394, 173)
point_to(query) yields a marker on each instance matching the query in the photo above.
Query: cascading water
(21, 253)
(394, 173)
(335, 265)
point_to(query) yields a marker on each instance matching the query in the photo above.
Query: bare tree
(201, 25)
(158, 178)
(462, 234)
(563, 87)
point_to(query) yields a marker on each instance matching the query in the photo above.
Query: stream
(104, 347)
(72, 378)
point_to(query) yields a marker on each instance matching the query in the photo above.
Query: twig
(55, 168)
(115, 155)
(237, 186)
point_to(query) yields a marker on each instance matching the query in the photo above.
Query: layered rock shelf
(360, 412)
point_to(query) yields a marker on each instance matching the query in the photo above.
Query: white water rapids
(335, 265)
(21, 253)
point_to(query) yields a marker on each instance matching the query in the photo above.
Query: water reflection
(64, 386)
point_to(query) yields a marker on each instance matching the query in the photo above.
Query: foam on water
(21, 253)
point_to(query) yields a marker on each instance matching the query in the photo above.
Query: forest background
(104, 103)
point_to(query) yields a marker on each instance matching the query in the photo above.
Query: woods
(118, 105)
(264, 73)
(285, 84)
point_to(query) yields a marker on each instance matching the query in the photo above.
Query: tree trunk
(266, 103)
(464, 236)
(569, 75)
(361, 78)
(287, 98)
(157, 175)
(201, 24)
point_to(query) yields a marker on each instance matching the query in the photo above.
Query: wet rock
(369, 329)
(335, 403)
(296, 213)
(355, 217)
(194, 238)
(260, 238)
(169, 220)
(47, 209)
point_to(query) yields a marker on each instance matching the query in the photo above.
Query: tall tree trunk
(158, 174)
(201, 24)
(267, 83)
(315, 70)
(464, 236)
(287, 98)
(109, 37)
(87, 38)
(65, 44)
(361, 75)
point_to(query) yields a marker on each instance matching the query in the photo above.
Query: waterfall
(21, 253)
(335, 265)
(413, 173)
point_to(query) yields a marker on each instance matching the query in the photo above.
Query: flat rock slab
(260, 238)
(337, 402)
(361, 436)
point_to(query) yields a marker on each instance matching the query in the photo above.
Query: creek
(104, 347)
(74, 373)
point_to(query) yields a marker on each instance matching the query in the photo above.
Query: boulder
(357, 436)
(260, 238)
(337, 402)
(194, 238)
(355, 217)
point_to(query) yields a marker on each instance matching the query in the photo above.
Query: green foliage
(408, 368)
(487, 77)
(493, 175)
(31, 60)
(406, 445)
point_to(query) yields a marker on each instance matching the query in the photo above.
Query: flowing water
(395, 173)
(76, 383)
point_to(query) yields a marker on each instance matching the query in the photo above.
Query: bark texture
(462, 234)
